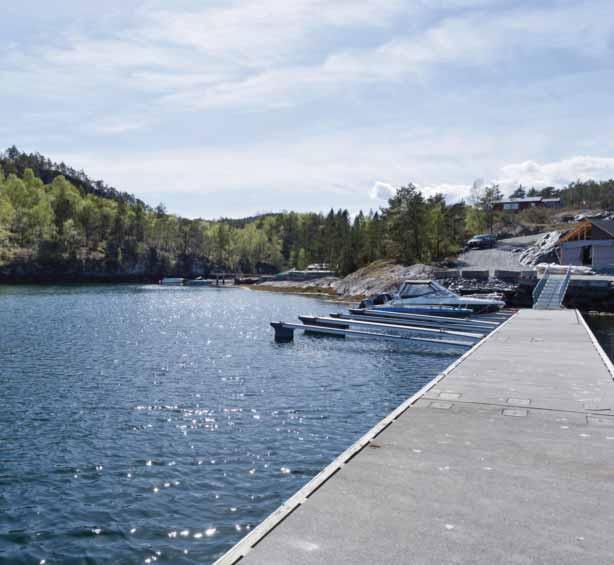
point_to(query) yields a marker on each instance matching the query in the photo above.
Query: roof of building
(518, 200)
(604, 225)
(551, 199)
(580, 232)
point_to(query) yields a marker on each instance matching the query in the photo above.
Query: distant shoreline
(75, 279)
(328, 293)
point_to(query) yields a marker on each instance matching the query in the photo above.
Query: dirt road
(504, 256)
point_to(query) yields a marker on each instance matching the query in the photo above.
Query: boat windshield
(409, 290)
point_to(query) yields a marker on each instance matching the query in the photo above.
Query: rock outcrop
(376, 278)
(380, 277)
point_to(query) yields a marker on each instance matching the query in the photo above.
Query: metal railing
(555, 292)
(540, 285)
(565, 285)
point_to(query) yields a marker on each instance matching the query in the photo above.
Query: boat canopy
(416, 288)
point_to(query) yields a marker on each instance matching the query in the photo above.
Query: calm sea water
(603, 328)
(149, 424)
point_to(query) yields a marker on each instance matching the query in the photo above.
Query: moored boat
(426, 309)
(199, 282)
(172, 281)
(430, 297)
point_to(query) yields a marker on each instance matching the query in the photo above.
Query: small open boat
(172, 281)
(200, 282)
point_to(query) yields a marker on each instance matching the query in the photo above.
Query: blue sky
(237, 107)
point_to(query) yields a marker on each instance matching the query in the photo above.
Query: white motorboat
(421, 295)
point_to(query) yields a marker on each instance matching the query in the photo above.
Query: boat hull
(451, 311)
(199, 283)
(172, 281)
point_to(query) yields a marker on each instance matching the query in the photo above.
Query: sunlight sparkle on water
(173, 390)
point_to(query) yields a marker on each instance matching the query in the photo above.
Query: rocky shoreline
(376, 278)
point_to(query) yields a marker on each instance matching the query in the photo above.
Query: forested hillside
(58, 224)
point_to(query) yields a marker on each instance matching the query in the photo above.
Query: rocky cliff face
(98, 269)
(73, 271)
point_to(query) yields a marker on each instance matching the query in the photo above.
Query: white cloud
(452, 192)
(116, 53)
(261, 33)
(433, 93)
(470, 41)
(381, 191)
(393, 60)
(293, 172)
(328, 170)
(274, 52)
(527, 173)
(533, 174)
(119, 125)
(555, 173)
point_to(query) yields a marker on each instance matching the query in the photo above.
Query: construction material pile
(544, 250)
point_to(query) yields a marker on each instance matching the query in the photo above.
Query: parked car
(483, 241)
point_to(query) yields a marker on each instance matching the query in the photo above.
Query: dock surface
(506, 458)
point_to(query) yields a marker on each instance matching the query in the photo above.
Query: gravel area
(504, 257)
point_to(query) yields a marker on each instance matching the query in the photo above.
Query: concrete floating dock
(506, 457)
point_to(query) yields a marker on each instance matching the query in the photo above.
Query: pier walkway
(507, 457)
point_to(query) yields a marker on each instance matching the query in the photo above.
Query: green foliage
(476, 220)
(53, 214)
(589, 194)
(65, 200)
(16, 162)
(7, 216)
(483, 198)
(406, 218)
(535, 216)
(520, 192)
(58, 222)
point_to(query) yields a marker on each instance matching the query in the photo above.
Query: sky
(247, 106)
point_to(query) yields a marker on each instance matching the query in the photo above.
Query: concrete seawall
(506, 457)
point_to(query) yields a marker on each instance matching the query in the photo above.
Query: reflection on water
(150, 424)
(603, 328)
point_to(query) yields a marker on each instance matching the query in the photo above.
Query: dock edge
(604, 356)
(251, 540)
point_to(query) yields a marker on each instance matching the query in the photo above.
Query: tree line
(578, 194)
(51, 214)
(60, 221)
(57, 222)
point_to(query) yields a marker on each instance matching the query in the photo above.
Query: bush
(535, 216)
